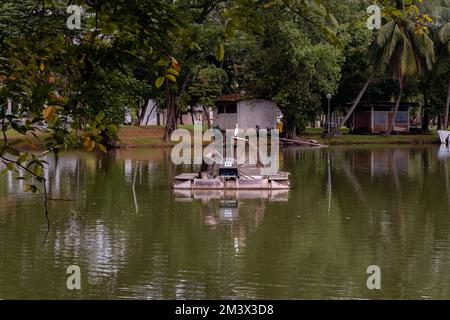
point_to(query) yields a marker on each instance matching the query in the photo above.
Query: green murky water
(385, 206)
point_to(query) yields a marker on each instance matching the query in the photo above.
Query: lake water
(351, 207)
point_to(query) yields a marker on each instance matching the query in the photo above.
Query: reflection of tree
(399, 228)
(447, 182)
(293, 249)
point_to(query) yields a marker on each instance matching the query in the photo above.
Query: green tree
(442, 65)
(83, 77)
(401, 48)
(207, 85)
(203, 27)
(290, 62)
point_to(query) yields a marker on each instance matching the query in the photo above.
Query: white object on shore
(9, 108)
(128, 120)
(443, 135)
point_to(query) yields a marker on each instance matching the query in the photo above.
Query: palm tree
(443, 59)
(406, 52)
(400, 51)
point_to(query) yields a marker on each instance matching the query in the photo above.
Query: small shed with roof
(245, 111)
(375, 117)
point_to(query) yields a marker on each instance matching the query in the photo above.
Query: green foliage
(404, 50)
(75, 84)
(219, 52)
(186, 53)
(206, 86)
(291, 63)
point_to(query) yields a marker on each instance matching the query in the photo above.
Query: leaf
(27, 91)
(53, 120)
(91, 146)
(175, 65)
(162, 63)
(159, 82)
(12, 152)
(101, 148)
(100, 116)
(24, 157)
(48, 112)
(219, 52)
(328, 33)
(31, 187)
(112, 129)
(170, 77)
(33, 146)
(38, 169)
(173, 72)
(86, 142)
(230, 28)
(270, 4)
(42, 67)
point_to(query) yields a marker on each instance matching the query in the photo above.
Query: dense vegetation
(185, 53)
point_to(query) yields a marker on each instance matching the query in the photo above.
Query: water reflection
(444, 152)
(229, 206)
(271, 195)
(133, 237)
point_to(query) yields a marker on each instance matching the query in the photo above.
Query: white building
(198, 115)
(150, 117)
(153, 116)
(246, 112)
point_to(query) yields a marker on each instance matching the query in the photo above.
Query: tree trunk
(397, 104)
(425, 122)
(400, 4)
(447, 106)
(426, 117)
(192, 115)
(355, 104)
(142, 113)
(207, 116)
(150, 113)
(171, 122)
(290, 131)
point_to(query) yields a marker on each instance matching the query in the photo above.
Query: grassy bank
(130, 137)
(143, 137)
(354, 139)
(153, 137)
(28, 142)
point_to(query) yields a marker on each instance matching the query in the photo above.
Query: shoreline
(152, 137)
(133, 137)
(379, 140)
